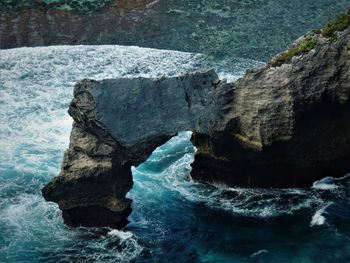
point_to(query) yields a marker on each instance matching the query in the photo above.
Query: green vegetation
(331, 29)
(303, 47)
(340, 23)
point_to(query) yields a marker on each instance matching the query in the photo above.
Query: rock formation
(283, 126)
(117, 124)
(278, 126)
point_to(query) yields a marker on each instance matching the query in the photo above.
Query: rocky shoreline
(277, 126)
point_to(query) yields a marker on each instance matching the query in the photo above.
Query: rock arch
(117, 124)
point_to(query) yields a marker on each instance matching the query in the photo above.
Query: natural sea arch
(118, 123)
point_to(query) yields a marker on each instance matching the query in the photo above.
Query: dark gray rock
(136, 110)
(117, 124)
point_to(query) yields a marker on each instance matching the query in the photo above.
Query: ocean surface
(174, 219)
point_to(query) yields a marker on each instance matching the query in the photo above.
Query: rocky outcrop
(281, 126)
(284, 126)
(117, 124)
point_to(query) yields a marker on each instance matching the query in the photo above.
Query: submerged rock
(284, 126)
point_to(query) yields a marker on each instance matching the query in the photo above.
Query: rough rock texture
(276, 127)
(284, 126)
(117, 124)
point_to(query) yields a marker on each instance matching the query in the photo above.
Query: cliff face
(287, 125)
(282, 126)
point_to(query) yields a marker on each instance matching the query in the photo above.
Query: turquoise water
(174, 219)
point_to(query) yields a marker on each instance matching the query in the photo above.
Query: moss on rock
(304, 46)
(340, 23)
(330, 31)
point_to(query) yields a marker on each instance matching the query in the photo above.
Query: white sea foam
(123, 235)
(259, 253)
(318, 218)
(327, 183)
(36, 87)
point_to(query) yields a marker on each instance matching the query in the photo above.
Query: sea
(174, 218)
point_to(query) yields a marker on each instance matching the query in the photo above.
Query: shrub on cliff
(331, 29)
(303, 47)
(340, 23)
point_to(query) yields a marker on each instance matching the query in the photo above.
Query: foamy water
(174, 218)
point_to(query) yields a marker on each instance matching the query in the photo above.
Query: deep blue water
(174, 219)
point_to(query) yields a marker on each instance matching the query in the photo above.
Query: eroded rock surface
(283, 126)
(286, 126)
(117, 124)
